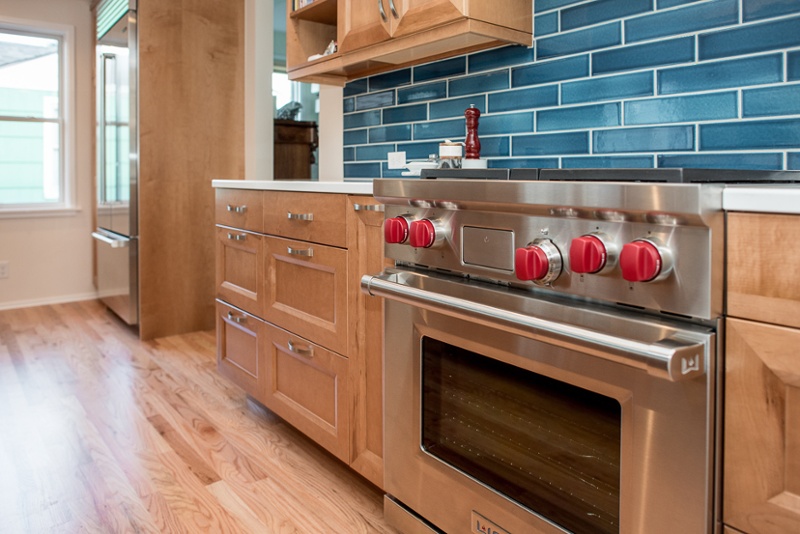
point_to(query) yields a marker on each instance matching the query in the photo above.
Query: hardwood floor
(100, 432)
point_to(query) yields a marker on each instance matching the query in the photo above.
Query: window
(35, 140)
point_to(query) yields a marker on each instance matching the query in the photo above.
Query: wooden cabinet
(761, 454)
(295, 143)
(380, 35)
(294, 329)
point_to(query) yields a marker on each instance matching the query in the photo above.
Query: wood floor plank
(104, 433)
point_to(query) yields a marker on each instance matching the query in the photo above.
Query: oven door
(507, 413)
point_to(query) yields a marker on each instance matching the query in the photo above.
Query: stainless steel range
(551, 350)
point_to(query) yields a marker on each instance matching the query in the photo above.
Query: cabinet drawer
(317, 217)
(307, 386)
(306, 290)
(240, 208)
(239, 353)
(761, 471)
(762, 284)
(239, 272)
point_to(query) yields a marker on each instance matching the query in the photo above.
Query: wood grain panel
(761, 281)
(328, 211)
(239, 208)
(239, 269)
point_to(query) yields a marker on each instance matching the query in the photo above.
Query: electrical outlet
(397, 160)
(4, 269)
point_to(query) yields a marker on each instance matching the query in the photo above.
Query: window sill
(36, 213)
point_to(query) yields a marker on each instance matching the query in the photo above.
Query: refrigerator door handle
(120, 242)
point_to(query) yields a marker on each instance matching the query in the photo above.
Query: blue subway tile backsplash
(608, 83)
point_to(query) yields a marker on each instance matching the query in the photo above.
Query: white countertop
(762, 199)
(303, 186)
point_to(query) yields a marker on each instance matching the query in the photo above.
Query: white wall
(51, 257)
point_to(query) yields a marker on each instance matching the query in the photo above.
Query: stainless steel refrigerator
(116, 235)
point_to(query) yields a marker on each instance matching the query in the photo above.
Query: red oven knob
(644, 261)
(540, 262)
(422, 234)
(588, 254)
(395, 230)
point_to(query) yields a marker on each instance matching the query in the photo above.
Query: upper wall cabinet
(379, 35)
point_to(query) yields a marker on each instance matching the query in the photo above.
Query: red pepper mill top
(472, 144)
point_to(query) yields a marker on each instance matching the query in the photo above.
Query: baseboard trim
(13, 305)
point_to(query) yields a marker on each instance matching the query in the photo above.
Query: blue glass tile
(356, 87)
(784, 100)
(645, 55)
(793, 161)
(661, 139)
(349, 105)
(749, 39)
(793, 65)
(362, 170)
(415, 112)
(579, 41)
(390, 80)
(544, 5)
(545, 24)
(418, 93)
(608, 162)
(373, 152)
(349, 154)
(689, 19)
(663, 4)
(440, 69)
(375, 100)
(608, 88)
(508, 123)
(550, 71)
(723, 161)
(596, 116)
(456, 106)
(355, 137)
(535, 97)
(602, 11)
(492, 147)
(481, 83)
(721, 74)
(774, 134)
(440, 130)
(386, 172)
(500, 57)
(419, 150)
(359, 120)
(682, 109)
(381, 134)
(524, 163)
(763, 9)
(544, 144)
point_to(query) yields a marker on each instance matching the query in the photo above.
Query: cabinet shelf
(322, 11)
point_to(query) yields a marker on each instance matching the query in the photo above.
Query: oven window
(548, 445)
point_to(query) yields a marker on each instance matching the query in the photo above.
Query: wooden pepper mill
(472, 145)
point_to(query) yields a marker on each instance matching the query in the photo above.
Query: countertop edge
(350, 188)
(762, 199)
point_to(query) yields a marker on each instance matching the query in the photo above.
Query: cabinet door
(417, 15)
(761, 470)
(239, 269)
(308, 386)
(365, 222)
(239, 350)
(306, 290)
(363, 23)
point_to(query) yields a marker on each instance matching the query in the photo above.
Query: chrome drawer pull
(393, 10)
(237, 209)
(306, 351)
(237, 237)
(381, 11)
(369, 207)
(307, 252)
(300, 216)
(237, 318)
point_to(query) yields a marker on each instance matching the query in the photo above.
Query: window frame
(65, 34)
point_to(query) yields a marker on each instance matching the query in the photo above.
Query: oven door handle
(669, 358)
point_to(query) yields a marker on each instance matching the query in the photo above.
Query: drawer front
(308, 387)
(239, 272)
(316, 217)
(239, 351)
(762, 284)
(306, 290)
(240, 208)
